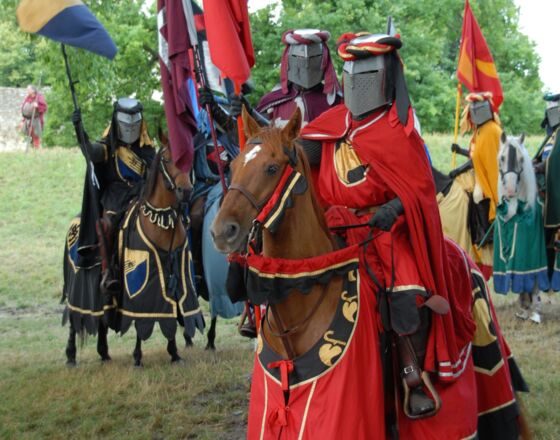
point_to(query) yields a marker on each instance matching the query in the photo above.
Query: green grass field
(207, 397)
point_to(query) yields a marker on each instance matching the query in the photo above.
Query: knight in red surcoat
(374, 168)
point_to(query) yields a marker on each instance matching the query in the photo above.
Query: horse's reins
(283, 333)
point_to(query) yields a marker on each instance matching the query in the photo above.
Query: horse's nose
(231, 231)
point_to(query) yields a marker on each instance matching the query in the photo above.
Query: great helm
(552, 110)
(480, 112)
(305, 60)
(366, 71)
(128, 116)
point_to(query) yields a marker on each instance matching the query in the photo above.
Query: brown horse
(308, 380)
(153, 230)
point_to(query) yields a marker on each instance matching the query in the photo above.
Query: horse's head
(256, 173)
(174, 179)
(517, 179)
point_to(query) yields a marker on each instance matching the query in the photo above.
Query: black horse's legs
(172, 350)
(137, 353)
(102, 346)
(71, 348)
(212, 334)
(188, 341)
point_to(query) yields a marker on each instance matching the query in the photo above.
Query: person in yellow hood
(480, 118)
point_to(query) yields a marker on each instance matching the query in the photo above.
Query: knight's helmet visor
(480, 112)
(364, 84)
(129, 119)
(305, 62)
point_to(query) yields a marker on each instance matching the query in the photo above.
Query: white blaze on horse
(318, 370)
(520, 263)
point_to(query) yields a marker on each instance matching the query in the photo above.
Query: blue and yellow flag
(67, 21)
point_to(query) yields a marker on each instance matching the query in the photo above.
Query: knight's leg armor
(420, 398)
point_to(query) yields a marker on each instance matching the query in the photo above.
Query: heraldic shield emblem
(136, 271)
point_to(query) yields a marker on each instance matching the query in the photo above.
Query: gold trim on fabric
(472, 436)
(135, 254)
(490, 372)
(130, 159)
(289, 276)
(71, 238)
(496, 408)
(283, 200)
(91, 312)
(409, 287)
(158, 263)
(263, 422)
(348, 344)
(346, 159)
(304, 420)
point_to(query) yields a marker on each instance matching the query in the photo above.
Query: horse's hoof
(105, 359)
(178, 361)
(522, 314)
(536, 318)
(138, 365)
(210, 347)
(188, 343)
(71, 363)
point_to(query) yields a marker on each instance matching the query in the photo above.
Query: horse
(155, 269)
(318, 366)
(520, 262)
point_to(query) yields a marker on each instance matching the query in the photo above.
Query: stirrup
(109, 285)
(434, 396)
(247, 330)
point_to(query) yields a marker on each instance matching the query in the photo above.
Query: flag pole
(201, 79)
(456, 131)
(240, 130)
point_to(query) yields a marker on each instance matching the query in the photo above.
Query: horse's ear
(503, 137)
(250, 126)
(521, 138)
(291, 130)
(163, 137)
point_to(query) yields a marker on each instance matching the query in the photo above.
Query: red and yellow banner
(476, 68)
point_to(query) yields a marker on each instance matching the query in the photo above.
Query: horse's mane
(151, 179)
(319, 212)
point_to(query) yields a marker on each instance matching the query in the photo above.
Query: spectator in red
(33, 110)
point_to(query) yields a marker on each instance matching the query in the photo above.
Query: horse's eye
(272, 169)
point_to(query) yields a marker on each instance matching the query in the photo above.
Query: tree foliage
(134, 71)
(430, 31)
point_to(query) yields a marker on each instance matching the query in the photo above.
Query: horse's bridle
(259, 205)
(511, 164)
(169, 180)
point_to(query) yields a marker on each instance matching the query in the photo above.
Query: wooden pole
(457, 116)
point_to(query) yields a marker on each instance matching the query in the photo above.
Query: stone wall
(10, 117)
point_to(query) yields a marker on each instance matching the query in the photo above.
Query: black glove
(455, 148)
(205, 96)
(236, 105)
(76, 117)
(387, 215)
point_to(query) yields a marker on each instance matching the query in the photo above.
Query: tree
(134, 72)
(431, 31)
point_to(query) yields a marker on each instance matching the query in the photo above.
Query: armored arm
(97, 151)
(455, 148)
(387, 214)
(461, 169)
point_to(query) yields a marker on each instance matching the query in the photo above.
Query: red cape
(397, 155)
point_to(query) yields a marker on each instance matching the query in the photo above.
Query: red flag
(476, 68)
(175, 70)
(229, 37)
